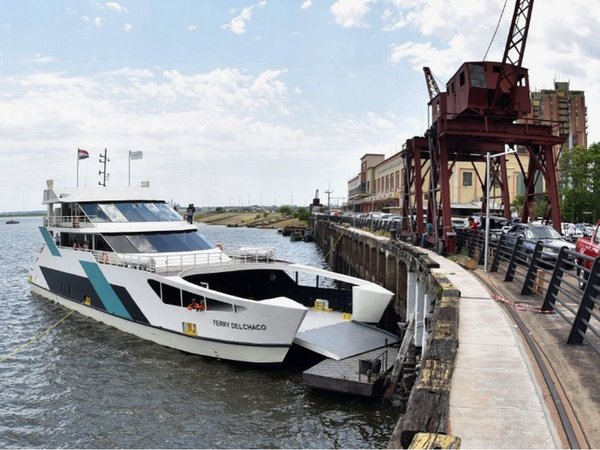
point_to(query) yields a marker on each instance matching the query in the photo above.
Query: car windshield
(543, 233)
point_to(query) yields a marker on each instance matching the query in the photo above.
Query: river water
(86, 385)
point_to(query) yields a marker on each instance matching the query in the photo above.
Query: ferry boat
(124, 257)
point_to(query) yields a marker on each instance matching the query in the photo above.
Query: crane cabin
(488, 88)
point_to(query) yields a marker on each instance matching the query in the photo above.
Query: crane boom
(432, 86)
(514, 50)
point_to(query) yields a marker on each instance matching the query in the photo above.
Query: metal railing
(176, 262)
(568, 287)
(77, 221)
(374, 367)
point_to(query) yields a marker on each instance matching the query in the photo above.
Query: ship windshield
(130, 212)
(158, 242)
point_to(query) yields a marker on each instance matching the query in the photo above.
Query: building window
(467, 178)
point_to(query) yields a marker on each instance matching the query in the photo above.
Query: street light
(487, 202)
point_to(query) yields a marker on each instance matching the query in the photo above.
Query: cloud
(127, 27)
(116, 7)
(350, 13)
(306, 4)
(200, 121)
(237, 25)
(39, 59)
(192, 28)
(97, 21)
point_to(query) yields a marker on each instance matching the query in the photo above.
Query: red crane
(483, 110)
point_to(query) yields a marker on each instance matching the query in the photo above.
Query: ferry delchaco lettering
(124, 257)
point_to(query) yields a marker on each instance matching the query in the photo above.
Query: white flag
(136, 155)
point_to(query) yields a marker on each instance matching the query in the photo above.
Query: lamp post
(487, 202)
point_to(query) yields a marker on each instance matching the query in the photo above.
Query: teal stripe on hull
(108, 297)
(54, 251)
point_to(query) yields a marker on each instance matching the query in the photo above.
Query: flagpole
(77, 167)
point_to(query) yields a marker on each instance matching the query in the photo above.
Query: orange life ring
(195, 306)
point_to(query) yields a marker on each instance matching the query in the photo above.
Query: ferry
(124, 257)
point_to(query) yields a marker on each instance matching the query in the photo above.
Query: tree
(302, 213)
(580, 183)
(285, 210)
(517, 205)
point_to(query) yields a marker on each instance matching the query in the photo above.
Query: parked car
(532, 233)
(458, 223)
(589, 246)
(498, 225)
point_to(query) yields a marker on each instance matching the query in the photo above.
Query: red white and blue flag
(82, 154)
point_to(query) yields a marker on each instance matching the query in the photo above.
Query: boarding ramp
(344, 339)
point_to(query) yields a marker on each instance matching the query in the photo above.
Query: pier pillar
(419, 311)
(401, 289)
(426, 314)
(411, 294)
(391, 277)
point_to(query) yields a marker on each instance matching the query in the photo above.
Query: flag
(82, 154)
(136, 155)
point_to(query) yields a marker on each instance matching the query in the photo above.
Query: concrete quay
(508, 363)
(499, 396)
(496, 400)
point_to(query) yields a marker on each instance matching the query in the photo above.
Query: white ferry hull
(124, 258)
(235, 328)
(190, 344)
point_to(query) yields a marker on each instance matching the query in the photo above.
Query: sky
(249, 102)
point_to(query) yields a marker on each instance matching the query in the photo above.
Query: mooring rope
(35, 338)
(332, 247)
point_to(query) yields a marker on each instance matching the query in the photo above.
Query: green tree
(517, 205)
(285, 210)
(302, 213)
(580, 183)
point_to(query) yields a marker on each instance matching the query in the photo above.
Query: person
(473, 225)
(190, 213)
(195, 306)
(571, 231)
(428, 232)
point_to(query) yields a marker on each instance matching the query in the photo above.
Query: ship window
(168, 212)
(141, 243)
(112, 212)
(93, 212)
(155, 285)
(462, 78)
(129, 211)
(171, 295)
(158, 242)
(145, 212)
(164, 244)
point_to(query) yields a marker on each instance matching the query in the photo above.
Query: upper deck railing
(176, 262)
(77, 221)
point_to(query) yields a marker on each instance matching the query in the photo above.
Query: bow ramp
(328, 334)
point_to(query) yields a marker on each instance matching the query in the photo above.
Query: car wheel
(582, 277)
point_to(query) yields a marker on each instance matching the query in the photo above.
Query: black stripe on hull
(76, 288)
(201, 338)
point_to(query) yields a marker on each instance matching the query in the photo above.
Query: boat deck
(361, 375)
(357, 354)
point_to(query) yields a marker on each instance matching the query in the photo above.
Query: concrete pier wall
(402, 268)
(405, 270)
